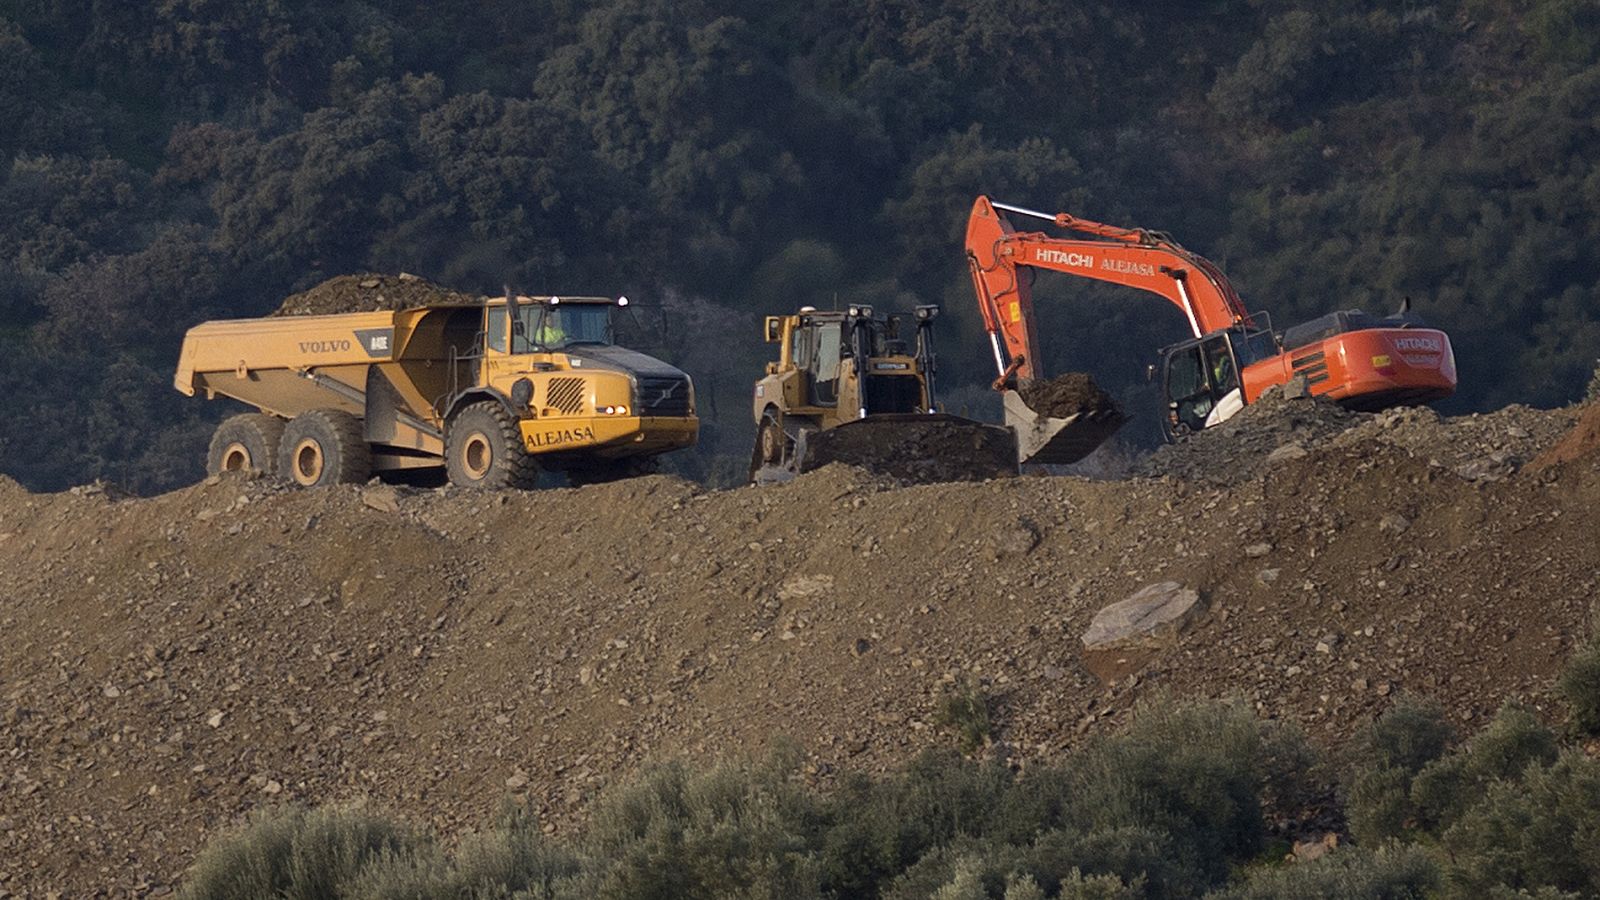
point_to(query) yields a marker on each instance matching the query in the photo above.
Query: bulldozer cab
(818, 351)
(857, 359)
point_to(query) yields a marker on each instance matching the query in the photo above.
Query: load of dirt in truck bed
(172, 663)
(1066, 395)
(917, 449)
(369, 293)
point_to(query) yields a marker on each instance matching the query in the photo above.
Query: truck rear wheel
(324, 446)
(245, 442)
(483, 449)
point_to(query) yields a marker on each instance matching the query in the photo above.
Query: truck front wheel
(244, 442)
(483, 449)
(324, 446)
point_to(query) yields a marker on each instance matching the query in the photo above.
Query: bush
(1591, 394)
(879, 828)
(1446, 787)
(736, 830)
(1392, 873)
(1193, 772)
(978, 871)
(965, 711)
(1579, 686)
(1386, 757)
(291, 853)
(1541, 831)
(514, 859)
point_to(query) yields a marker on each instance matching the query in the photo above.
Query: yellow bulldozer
(490, 392)
(848, 388)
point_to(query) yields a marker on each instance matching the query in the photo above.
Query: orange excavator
(1364, 362)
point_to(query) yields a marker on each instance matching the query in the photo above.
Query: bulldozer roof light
(622, 301)
(928, 311)
(554, 301)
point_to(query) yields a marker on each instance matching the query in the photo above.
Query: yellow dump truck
(493, 392)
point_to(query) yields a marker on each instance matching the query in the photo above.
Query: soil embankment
(172, 663)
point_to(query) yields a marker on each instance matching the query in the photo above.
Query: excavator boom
(1135, 257)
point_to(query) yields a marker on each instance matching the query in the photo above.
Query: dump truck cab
(493, 392)
(579, 397)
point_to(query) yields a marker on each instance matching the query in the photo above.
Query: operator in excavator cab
(1222, 374)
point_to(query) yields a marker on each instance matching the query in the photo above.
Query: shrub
(879, 828)
(1193, 772)
(290, 853)
(965, 711)
(1410, 735)
(1445, 787)
(1579, 686)
(1137, 856)
(736, 830)
(1391, 873)
(1591, 394)
(973, 870)
(513, 859)
(1386, 757)
(1541, 831)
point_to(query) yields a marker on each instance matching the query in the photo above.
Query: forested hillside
(163, 163)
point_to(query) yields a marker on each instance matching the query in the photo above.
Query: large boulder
(1152, 617)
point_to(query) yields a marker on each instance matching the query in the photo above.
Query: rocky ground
(171, 663)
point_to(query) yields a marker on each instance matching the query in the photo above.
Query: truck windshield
(563, 325)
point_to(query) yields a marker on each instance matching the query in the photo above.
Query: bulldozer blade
(1057, 441)
(914, 447)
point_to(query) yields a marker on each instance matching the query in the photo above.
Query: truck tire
(324, 446)
(245, 442)
(483, 449)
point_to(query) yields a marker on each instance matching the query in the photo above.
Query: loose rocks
(369, 293)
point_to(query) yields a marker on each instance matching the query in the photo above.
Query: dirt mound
(917, 449)
(1065, 395)
(1276, 428)
(369, 293)
(172, 663)
(1239, 448)
(1581, 441)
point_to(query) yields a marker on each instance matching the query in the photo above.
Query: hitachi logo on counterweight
(1063, 258)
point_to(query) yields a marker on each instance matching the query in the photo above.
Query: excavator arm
(1135, 257)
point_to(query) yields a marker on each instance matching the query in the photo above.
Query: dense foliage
(1175, 807)
(161, 163)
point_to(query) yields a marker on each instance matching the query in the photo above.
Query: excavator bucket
(1058, 440)
(911, 447)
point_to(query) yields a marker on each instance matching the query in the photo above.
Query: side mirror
(1150, 373)
(774, 329)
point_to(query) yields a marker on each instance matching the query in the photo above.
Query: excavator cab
(1200, 379)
